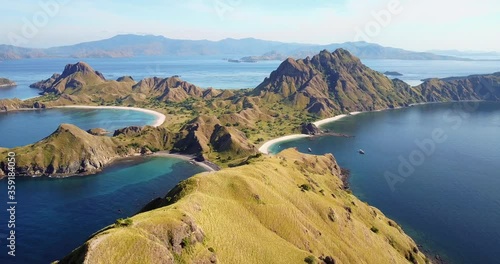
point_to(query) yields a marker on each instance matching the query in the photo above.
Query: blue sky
(410, 24)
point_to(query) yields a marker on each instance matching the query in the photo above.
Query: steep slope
(284, 209)
(474, 87)
(330, 83)
(74, 76)
(170, 89)
(206, 134)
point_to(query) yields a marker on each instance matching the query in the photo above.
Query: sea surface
(214, 72)
(432, 168)
(20, 128)
(54, 216)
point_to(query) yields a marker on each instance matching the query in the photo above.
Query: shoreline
(189, 158)
(160, 118)
(264, 149)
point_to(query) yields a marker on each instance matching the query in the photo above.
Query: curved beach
(265, 147)
(160, 118)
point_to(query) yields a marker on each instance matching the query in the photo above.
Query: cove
(54, 216)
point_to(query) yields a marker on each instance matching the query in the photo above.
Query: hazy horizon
(411, 25)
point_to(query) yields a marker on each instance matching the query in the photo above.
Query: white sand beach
(160, 118)
(333, 119)
(265, 148)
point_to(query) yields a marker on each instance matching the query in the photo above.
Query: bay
(446, 195)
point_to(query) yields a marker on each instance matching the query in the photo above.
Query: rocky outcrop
(310, 129)
(4, 83)
(74, 76)
(170, 89)
(204, 134)
(39, 105)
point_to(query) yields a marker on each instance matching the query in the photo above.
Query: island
(296, 204)
(393, 73)
(5, 83)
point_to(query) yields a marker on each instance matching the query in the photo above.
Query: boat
(360, 151)
(309, 149)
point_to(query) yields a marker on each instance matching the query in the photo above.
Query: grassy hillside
(284, 209)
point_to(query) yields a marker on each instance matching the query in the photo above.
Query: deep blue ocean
(450, 204)
(433, 168)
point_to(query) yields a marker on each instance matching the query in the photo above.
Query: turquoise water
(54, 216)
(25, 127)
(442, 162)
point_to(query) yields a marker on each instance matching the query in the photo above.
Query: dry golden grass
(258, 214)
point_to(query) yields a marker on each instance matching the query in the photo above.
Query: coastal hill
(4, 82)
(290, 208)
(129, 45)
(330, 83)
(227, 127)
(473, 87)
(70, 150)
(74, 77)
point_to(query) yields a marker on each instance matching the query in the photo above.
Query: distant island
(393, 73)
(4, 83)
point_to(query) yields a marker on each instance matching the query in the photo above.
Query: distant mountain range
(255, 49)
(467, 54)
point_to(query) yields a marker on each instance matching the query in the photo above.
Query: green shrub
(374, 229)
(310, 259)
(122, 222)
(305, 187)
